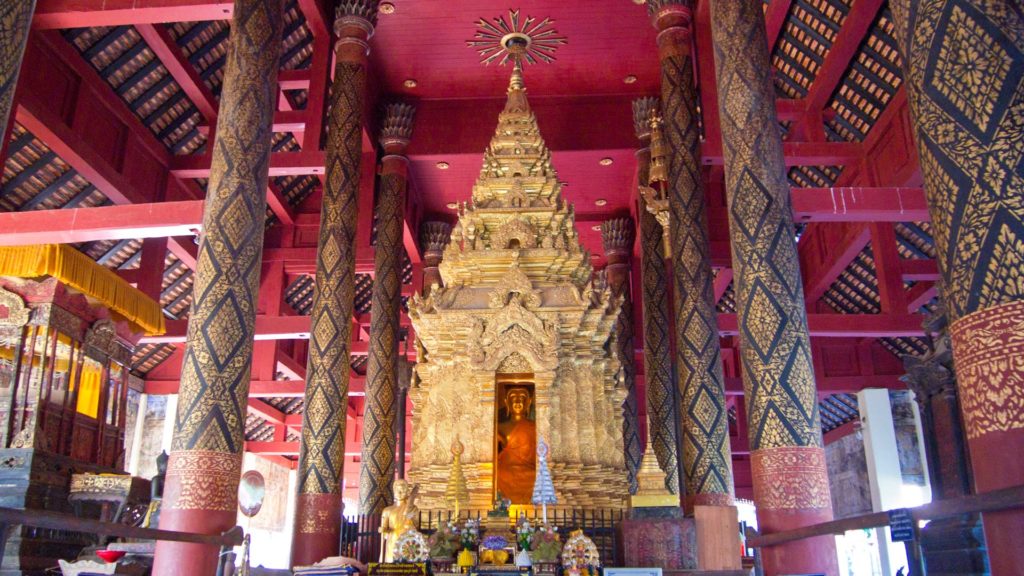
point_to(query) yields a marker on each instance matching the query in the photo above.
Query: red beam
(859, 204)
(273, 448)
(826, 325)
(774, 20)
(281, 164)
(919, 270)
(262, 388)
(826, 252)
(278, 204)
(841, 432)
(892, 294)
(832, 384)
(920, 294)
(183, 72)
(848, 41)
(293, 79)
(266, 411)
(122, 222)
(52, 14)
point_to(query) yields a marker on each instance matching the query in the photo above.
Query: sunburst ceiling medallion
(515, 38)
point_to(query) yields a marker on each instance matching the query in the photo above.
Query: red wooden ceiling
(426, 41)
(581, 100)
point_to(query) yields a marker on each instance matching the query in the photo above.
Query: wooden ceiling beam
(821, 325)
(261, 388)
(57, 14)
(837, 61)
(118, 222)
(184, 73)
(775, 20)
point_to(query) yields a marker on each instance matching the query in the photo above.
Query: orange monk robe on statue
(517, 449)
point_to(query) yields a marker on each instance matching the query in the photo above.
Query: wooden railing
(56, 521)
(1004, 499)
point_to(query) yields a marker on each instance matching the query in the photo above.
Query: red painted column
(791, 487)
(964, 65)
(377, 467)
(317, 533)
(201, 490)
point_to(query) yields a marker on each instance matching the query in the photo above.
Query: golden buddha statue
(517, 447)
(398, 518)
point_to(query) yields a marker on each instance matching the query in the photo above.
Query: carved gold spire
(516, 206)
(651, 481)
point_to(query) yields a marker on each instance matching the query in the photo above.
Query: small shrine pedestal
(659, 536)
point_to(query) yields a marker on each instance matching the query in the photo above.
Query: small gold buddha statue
(517, 447)
(398, 518)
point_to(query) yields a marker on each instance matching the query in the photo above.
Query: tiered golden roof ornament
(519, 304)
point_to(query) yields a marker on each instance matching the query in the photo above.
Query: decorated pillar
(707, 460)
(377, 470)
(662, 408)
(434, 238)
(787, 455)
(963, 64)
(15, 20)
(321, 459)
(201, 489)
(617, 237)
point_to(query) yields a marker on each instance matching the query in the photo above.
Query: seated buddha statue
(517, 447)
(398, 518)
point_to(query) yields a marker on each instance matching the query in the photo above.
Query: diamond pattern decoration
(774, 341)
(321, 457)
(224, 331)
(662, 406)
(765, 320)
(975, 70)
(218, 357)
(964, 65)
(707, 465)
(377, 469)
(15, 20)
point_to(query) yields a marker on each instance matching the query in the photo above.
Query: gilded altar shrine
(516, 346)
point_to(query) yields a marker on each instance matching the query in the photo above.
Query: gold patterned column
(321, 460)
(434, 238)
(662, 408)
(787, 455)
(964, 68)
(377, 469)
(206, 453)
(617, 237)
(15, 21)
(707, 459)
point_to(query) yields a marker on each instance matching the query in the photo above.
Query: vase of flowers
(444, 541)
(546, 545)
(524, 540)
(468, 536)
(494, 550)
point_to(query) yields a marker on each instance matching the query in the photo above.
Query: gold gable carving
(518, 229)
(513, 330)
(517, 285)
(17, 312)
